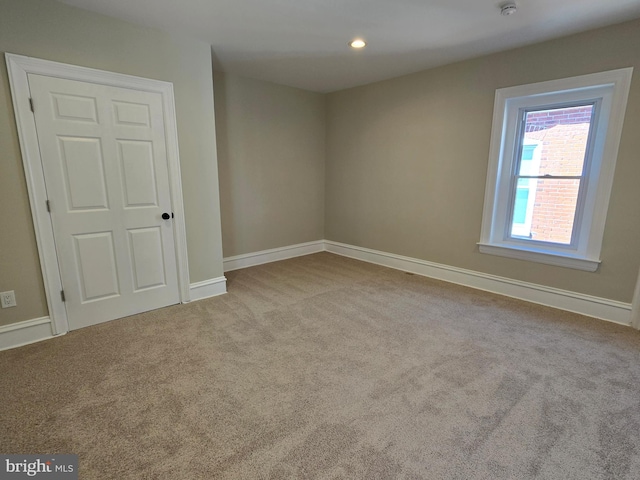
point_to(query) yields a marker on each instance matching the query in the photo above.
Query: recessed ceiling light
(357, 43)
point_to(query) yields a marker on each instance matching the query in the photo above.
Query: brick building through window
(554, 144)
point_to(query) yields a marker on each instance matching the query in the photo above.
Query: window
(553, 151)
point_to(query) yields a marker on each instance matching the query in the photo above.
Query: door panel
(83, 168)
(138, 173)
(146, 251)
(74, 107)
(104, 160)
(96, 266)
(136, 114)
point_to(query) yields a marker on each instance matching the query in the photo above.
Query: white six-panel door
(104, 159)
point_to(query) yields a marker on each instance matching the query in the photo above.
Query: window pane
(546, 212)
(520, 208)
(555, 141)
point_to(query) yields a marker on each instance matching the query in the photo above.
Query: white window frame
(610, 90)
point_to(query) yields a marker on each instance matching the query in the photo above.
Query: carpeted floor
(322, 367)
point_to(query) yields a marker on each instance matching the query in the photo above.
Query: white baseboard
(24, 333)
(635, 306)
(272, 255)
(208, 288)
(602, 308)
(31, 331)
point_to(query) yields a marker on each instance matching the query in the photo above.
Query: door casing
(18, 68)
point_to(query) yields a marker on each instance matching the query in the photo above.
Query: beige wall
(52, 31)
(271, 141)
(407, 161)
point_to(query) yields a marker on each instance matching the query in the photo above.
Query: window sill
(557, 259)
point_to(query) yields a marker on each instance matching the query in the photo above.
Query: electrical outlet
(8, 299)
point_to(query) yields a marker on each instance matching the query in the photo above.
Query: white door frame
(18, 68)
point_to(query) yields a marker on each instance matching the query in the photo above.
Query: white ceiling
(303, 43)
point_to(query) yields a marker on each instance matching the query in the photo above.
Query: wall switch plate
(8, 299)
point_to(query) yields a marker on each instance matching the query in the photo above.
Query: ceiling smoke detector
(508, 9)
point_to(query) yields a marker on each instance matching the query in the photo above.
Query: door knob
(166, 216)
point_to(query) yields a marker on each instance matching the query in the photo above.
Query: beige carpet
(329, 368)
